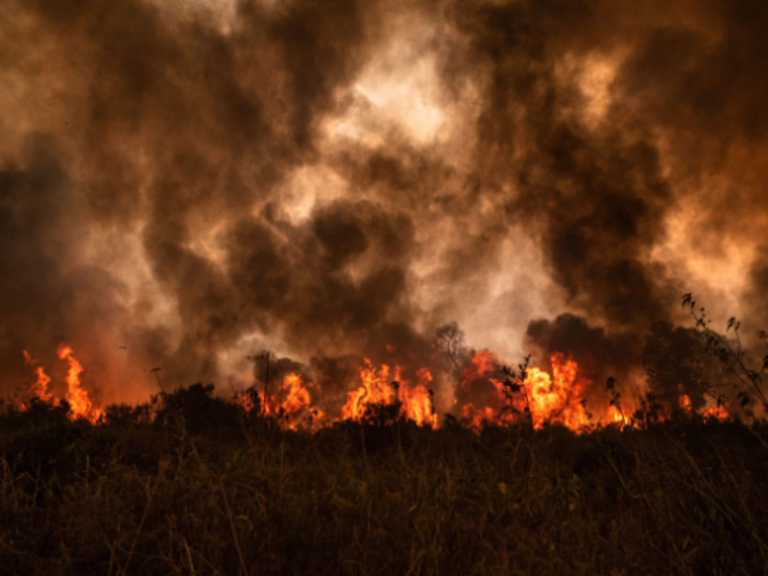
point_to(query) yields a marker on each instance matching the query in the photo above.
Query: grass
(210, 492)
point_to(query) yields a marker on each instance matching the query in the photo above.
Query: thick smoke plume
(184, 185)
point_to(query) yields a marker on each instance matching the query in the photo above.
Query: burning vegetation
(342, 184)
(485, 393)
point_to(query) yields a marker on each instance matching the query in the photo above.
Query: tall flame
(374, 388)
(292, 403)
(557, 399)
(486, 394)
(77, 396)
(40, 387)
(417, 400)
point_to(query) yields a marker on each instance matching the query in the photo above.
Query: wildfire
(291, 403)
(40, 387)
(683, 400)
(79, 402)
(415, 402)
(557, 399)
(484, 398)
(486, 394)
(418, 400)
(375, 388)
(616, 417)
(718, 412)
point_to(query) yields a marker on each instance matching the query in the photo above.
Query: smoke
(181, 187)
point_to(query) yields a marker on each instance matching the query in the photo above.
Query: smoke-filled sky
(185, 183)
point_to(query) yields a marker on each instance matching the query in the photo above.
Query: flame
(557, 399)
(291, 403)
(683, 400)
(374, 389)
(482, 363)
(418, 400)
(718, 412)
(245, 401)
(40, 387)
(486, 395)
(615, 416)
(478, 417)
(77, 396)
(488, 401)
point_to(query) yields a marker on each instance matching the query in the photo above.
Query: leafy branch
(731, 353)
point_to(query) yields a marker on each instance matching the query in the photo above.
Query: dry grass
(239, 497)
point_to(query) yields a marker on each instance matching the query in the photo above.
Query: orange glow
(417, 400)
(245, 401)
(478, 417)
(484, 371)
(291, 404)
(374, 388)
(380, 387)
(557, 399)
(683, 400)
(486, 395)
(719, 412)
(40, 387)
(616, 417)
(77, 396)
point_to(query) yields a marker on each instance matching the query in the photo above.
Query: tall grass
(238, 496)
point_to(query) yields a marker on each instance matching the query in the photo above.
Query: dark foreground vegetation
(203, 489)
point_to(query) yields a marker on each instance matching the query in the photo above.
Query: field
(204, 489)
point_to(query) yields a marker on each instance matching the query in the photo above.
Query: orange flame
(683, 400)
(77, 396)
(485, 395)
(375, 388)
(418, 401)
(488, 404)
(718, 412)
(40, 387)
(557, 399)
(615, 416)
(245, 401)
(291, 403)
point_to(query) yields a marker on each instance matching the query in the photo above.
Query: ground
(213, 492)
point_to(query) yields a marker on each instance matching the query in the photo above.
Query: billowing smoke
(182, 185)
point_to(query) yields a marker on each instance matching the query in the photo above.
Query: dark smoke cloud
(148, 188)
(683, 95)
(599, 354)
